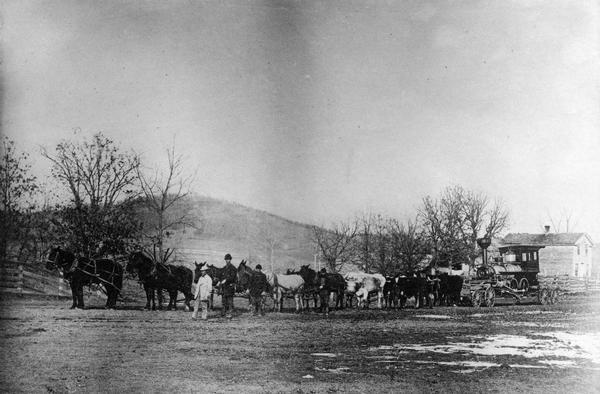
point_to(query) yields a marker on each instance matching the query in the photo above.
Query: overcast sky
(317, 110)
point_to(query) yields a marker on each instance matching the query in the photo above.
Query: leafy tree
(100, 179)
(17, 188)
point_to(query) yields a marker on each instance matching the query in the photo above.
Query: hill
(220, 227)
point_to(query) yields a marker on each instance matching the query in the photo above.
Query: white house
(563, 253)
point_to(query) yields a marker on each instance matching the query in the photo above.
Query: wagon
(512, 278)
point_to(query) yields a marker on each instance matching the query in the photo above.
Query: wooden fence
(28, 278)
(571, 284)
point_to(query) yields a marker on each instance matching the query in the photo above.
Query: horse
(80, 271)
(332, 284)
(244, 275)
(310, 285)
(292, 284)
(335, 284)
(172, 278)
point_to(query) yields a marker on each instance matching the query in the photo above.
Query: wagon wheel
(477, 298)
(544, 297)
(490, 297)
(524, 284)
(554, 297)
(513, 284)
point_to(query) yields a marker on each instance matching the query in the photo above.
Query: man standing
(203, 290)
(228, 287)
(258, 290)
(323, 291)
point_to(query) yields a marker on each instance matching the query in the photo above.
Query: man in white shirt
(203, 290)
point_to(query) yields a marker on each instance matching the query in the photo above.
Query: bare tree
(100, 179)
(17, 193)
(409, 246)
(336, 245)
(562, 221)
(457, 219)
(382, 251)
(269, 238)
(161, 193)
(365, 242)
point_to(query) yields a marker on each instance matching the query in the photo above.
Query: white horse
(286, 285)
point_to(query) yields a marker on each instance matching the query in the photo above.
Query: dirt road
(48, 348)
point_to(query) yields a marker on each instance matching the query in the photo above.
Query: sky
(322, 110)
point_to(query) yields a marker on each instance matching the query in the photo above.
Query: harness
(75, 267)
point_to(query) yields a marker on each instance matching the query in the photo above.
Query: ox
(450, 287)
(390, 292)
(415, 286)
(362, 285)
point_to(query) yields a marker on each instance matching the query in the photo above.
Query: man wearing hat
(228, 287)
(259, 286)
(203, 290)
(323, 291)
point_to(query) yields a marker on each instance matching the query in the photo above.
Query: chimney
(547, 228)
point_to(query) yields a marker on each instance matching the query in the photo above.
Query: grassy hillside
(221, 227)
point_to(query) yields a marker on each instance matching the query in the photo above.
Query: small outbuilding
(563, 253)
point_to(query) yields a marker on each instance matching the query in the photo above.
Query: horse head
(138, 261)
(243, 275)
(59, 258)
(308, 274)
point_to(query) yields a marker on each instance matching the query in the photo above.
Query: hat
(323, 271)
(258, 266)
(227, 257)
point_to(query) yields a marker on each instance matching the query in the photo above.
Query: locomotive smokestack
(547, 228)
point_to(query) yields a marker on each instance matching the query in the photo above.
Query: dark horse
(172, 278)
(310, 285)
(244, 276)
(331, 284)
(80, 271)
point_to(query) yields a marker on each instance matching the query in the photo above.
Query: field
(47, 347)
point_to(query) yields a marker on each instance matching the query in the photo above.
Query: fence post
(20, 279)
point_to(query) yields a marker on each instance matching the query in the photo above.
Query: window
(524, 257)
(578, 250)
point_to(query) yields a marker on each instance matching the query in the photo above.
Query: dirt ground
(46, 347)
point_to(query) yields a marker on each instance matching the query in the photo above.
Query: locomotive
(512, 277)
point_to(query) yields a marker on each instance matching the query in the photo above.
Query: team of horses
(303, 285)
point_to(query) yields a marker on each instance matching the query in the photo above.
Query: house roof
(546, 239)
